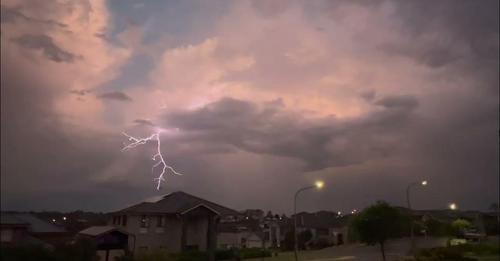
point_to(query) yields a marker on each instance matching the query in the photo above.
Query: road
(395, 250)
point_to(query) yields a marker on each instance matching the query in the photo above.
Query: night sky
(256, 99)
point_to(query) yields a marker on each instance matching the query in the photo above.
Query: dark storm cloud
(368, 95)
(80, 92)
(40, 156)
(144, 122)
(447, 135)
(404, 102)
(269, 129)
(47, 45)
(115, 95)
(10, 15)
(458, 33)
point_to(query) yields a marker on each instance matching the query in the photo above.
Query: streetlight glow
(319, 184)
(424, 183)
(452, 206)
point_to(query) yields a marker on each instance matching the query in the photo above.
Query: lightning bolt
(134, 142)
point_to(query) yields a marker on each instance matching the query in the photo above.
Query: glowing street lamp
(453, 206)
(423, 183)
(317, 185)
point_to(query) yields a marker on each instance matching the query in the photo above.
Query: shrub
(227, 254)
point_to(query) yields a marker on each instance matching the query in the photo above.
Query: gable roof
(99, 230)
(35, 224)
(178, 202)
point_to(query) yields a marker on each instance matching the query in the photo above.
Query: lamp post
(318, 185)
(412, 240)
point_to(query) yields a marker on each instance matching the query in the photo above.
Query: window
(124, 220)
(6, 235)
(159, 221)
(116, 220)
(144, 222)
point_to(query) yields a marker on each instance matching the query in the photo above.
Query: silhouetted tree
(376, 224)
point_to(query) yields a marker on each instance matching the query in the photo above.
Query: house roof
(35, 224)
(178, 202)
(11, 219)
(321, 219)
(236, 227)
(99, 230)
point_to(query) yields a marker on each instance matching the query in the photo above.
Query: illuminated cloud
(367, 93)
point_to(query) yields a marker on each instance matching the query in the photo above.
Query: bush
(482, 249)
(226, 254)
(457, 252)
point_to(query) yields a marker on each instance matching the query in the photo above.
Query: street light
(452, 206)
(422, 183)
(317, 185)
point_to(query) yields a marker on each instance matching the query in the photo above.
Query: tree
(458, 226)
(376, 224)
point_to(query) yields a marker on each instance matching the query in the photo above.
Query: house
(253, 231)
(110, 242)
(231, 236)
(175, 222)
(324, 225)
(25, 228)
(256, 214)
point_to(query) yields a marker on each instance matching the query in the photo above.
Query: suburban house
(25, 228)
(254, 230)
(325, 225)
(255, 214)
(175, 222)
(110, 242)
(239, 236)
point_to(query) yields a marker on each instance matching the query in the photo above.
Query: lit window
(144, 222)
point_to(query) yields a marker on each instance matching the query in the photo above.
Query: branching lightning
(134, 142)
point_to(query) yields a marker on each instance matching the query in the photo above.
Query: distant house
(253, 231)
(111, 242)
(256, 214)
(231, 236)
(25, 228)
(174, 222)
(324, 224)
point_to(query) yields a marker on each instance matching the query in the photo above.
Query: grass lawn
(486, 258)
